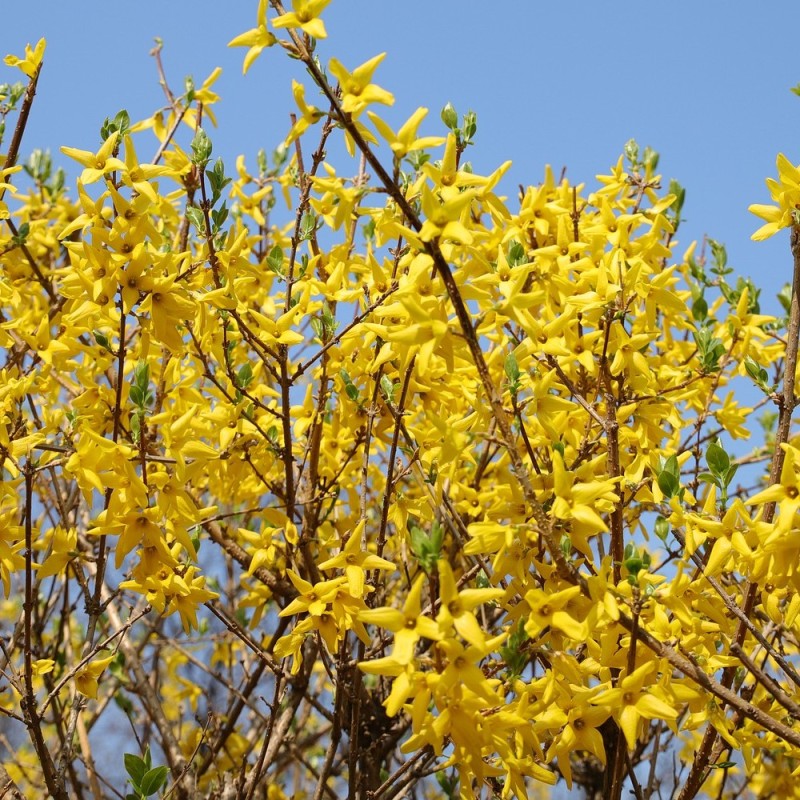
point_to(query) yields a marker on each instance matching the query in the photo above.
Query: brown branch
(565, 569)
(787, 404)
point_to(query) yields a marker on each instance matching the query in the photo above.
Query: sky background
(706, 84)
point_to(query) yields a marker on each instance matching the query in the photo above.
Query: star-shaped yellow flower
(99, 163)
(305, 16)
(786, 193)
(256, 38)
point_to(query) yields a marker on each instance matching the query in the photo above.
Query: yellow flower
(169, 590)
(353, 560)
(408, 625)
(786, 493)
(305, 16)
(406, 139)
(64, 549)
(32, 61)
(138, 176)
(309, 115)
(313, 598)
(168, 305)
(444, 219)
(42, 666)
(786, 193)
(357, 91)
(256, 38)
(96, 164)
(457, 607)
(86, 677)
(549, 608)
(580, 501)
(630, 702)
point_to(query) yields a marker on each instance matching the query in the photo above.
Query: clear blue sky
(704, 83)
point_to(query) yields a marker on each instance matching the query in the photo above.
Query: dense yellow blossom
(364, 470)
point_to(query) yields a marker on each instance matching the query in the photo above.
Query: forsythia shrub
(416, 489)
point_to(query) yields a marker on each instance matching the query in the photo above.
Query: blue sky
(706, 84)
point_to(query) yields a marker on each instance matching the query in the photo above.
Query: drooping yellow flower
(86, 679)
(786, 193)
(304, 16)
(256, 38)
(632, 701)
(786, 493)
(309, 115)
(408, 625)
(457, 609)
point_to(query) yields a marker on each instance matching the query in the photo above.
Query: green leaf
(244, 376)
(123, 703)
(141, 374)
(189, 89)
(201, 148)
(389, 388)
(196, 217)
(153, 780)
(635, 561)
(757, 373)
(350, 388)
(677, 204)
(513, 651)
(709, 350)
(650, 159)
(217, 180)
(136, 426)
(120, 124)
(136, 769)
(418, 159)
(21, 235)
(631, 150)
(275, 260)
(516, 254)
(450, 117)
(785, 297)
(427, 547)
(661, 528)
(308, 225)
(699, 309)
(218, 217)
(720, 256)
(717, 459)
(318, 327)
(470, 126)
(730, 474)
(669, 480)
(39, 165)
(512, 369)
